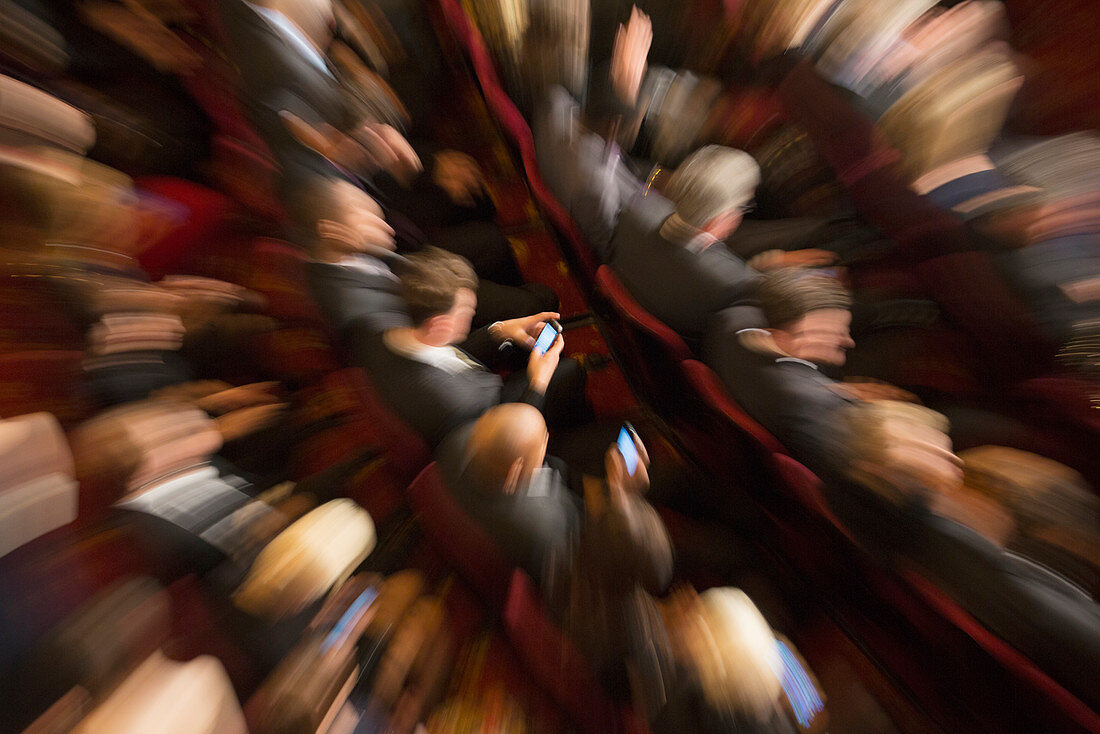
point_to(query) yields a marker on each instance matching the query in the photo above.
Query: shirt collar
(367, 264)
(760, 341)
(688, 236)
(402, 343)
(293, 35)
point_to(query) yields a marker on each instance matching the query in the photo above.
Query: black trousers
(566, 404)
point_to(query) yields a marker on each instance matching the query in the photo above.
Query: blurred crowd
(827, 202)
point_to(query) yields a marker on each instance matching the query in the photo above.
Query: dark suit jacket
(681, 288)
(754, 236)
(789, 397)
(535, 528)
(592, 185)
(275, 77)
(431, 400)
(346, 295)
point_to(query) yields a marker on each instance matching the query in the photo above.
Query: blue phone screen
(546, 338)
(628, 450)
(803, 696)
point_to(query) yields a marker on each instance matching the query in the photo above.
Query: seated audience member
(623, 556)
(497, 469)
(728, 667)
(435, 386)
(321, 113)
(578, 152)
(597, 567)
(663, 250)
(1056, 517)
(975, 534)
(770, 358)
(138, 333)
(352, 245)
(583, 169)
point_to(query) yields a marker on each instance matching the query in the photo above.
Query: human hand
(864, 388)
(540, 367)
(620, 482)
(230, 398)
(628, 59)
(193, 391)
(458, 175)
(239, 423)
(327, 141)
(526, 330)
(776, 259)
(387, 150)
(371, 232)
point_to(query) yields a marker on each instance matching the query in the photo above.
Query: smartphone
(546, 338)
(802, 694)
(628, 448)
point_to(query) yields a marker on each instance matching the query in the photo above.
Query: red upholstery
(714, 394)
(463, 542)
(557, 664)
(32, 319)
(408, 453)
(204, 215)
(248, 174)
(515, 127)
(297, 354)
(279, 274)
(625, 304)
(1077, 712)
(43, 381)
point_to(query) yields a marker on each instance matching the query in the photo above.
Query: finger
(377, 147)
(640, 480)
(302, 132)
(556, 348)
(642, 452)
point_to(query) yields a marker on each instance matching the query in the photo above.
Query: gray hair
(713, 181)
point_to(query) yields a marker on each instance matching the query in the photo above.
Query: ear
(511, 479)
(440, 324)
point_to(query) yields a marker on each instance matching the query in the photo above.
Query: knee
(541, 298)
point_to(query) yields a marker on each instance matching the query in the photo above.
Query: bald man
(497, 470)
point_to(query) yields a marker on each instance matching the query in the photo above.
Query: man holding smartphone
(597, 560)
(435, 386)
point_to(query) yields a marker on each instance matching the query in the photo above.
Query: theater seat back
(460, 539)
(650, 346)
(557, 664)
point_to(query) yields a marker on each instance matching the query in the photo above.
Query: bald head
(506, 445)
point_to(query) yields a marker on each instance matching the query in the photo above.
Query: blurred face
(820, 336)
(316, 18)
(454, 326)
(361, 214)
(920, 454)
(726, 224)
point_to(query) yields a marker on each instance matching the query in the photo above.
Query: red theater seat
(279, 275)
(515, 127)
(204, 215)
(625, 304)
(558, 666)
(462, 541)
(48, 381)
